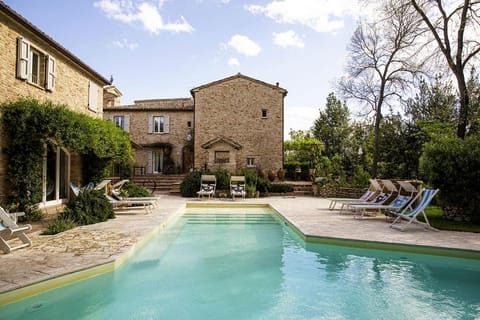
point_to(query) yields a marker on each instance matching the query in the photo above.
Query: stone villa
(233, 123)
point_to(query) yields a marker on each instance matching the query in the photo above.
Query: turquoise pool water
(251, 266)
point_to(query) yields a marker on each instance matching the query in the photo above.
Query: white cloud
(288, 39)
(124, 43)
(146, 13)
(320, 15)
(244, 45)
(233, 62)
(299, 118)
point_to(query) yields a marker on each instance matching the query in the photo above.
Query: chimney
(278, 84)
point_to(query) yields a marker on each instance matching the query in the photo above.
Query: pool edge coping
(16, 294)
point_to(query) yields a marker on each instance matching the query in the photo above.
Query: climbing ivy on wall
(30, 124)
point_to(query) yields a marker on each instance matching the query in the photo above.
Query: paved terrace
(92, 245)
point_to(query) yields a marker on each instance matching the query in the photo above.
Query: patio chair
(411, 213)
(237, 186)
(371, 191)
(208, 183)
(9, 230)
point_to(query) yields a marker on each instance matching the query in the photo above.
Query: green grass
(435, 216)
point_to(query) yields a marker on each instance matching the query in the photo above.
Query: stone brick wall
(180, 113)
(71, 82)
(232, 108)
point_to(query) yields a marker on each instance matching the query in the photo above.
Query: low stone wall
(332, 192)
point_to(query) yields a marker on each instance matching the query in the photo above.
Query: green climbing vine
(30, 124)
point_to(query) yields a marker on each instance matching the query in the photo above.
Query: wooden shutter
(126, 124)
(166, 124)
(150, 162)
(23, 52)
(50, 73)
(150, 124)
(92, 96)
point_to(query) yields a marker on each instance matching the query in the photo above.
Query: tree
(332, 127)
(454, 28)
(303, 147)
(382, 55)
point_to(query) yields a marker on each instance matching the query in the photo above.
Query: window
(222, 156)
(35, 66)
(158, 124)
(119, 121)
(189, 124)
(35, 70)
(264, 113)
(250, 162)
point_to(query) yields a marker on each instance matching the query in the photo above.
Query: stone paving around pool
(92, 245)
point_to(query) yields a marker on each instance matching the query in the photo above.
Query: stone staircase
(302, 188)
(160, 183)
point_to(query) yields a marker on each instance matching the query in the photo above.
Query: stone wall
(180, 115)
(232, 108)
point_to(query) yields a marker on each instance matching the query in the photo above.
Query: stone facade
(237, 123)
(61, 77)
(156, 151)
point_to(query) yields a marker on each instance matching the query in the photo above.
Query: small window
(250, 162)
(264, 113)
(35, 71)
(119, 121)
(222, 156)
(159, 124)
(189, 124)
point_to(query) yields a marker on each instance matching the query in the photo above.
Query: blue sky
(162, 49)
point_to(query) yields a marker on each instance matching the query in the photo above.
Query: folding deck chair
(396, 205)
(372, 190)
(410, 213)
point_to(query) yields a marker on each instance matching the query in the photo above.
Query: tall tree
(332, 127)
(381, 62)
(454, 26)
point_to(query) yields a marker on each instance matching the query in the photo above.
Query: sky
(163, 48)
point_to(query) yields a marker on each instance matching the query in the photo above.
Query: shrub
(360, 178)
(89, 207)
(134, 190)
(453, 165)
(191, 184)
(58, 225)
(223, 179)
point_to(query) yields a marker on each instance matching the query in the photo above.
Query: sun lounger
(237, 186)
(411, 213)
(9, 230)
(148, 205)
(400, 201)
(374, 188)
(208, 184)
(388, 191)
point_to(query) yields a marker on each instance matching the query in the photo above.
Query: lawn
(434, 215)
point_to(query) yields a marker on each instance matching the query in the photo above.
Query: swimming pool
(249, 265)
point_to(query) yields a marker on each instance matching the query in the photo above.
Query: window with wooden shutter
(50, 73)
(92, 96)
(23, 52)
(166, 128)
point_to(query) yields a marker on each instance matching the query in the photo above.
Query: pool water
(251, 266)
